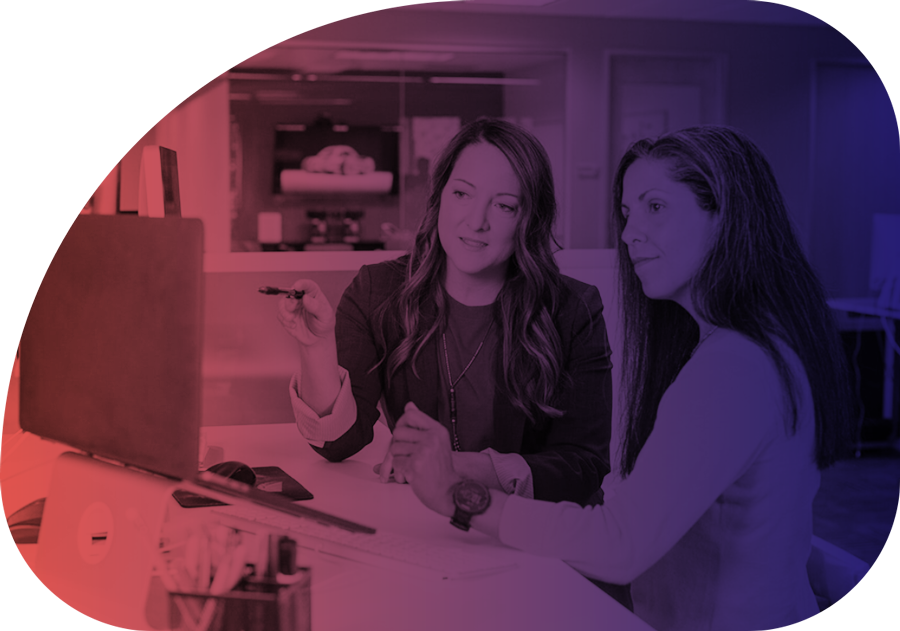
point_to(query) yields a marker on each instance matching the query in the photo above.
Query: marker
(272, 291)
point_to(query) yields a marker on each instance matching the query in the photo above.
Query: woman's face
(479, 213)
(666, 231)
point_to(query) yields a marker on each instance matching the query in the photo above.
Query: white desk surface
(864, 306)
(538, 594)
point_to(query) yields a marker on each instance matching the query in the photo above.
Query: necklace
(453, 383)
(704, 338)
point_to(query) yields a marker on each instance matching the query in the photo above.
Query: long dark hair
(530, 347)
(754, 280)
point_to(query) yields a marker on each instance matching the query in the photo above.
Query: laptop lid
(111, 350)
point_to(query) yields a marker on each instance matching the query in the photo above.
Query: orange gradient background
(83, 81)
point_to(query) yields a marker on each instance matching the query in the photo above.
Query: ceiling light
(364, 78)
(418, 56)
(514, 3)
(485, 81)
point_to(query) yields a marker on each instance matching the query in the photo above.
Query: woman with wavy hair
(735, 395)
(476, 327)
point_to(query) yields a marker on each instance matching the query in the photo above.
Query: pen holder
(260, 606)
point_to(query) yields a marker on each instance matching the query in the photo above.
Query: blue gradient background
(66, 124)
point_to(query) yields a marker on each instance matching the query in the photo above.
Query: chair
(833, 572)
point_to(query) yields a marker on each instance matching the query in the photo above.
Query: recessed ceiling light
(485, 81)
(393, 55)
(514, 3)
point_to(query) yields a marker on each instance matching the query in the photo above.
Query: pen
(272, 291)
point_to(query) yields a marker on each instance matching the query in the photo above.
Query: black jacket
(568, 455)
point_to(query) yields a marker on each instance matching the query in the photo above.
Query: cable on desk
(12, 442)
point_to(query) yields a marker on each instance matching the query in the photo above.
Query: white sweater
(714, 525)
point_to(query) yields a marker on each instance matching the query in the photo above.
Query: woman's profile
(735, 394)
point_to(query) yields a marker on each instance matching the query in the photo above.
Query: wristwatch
(471, 498)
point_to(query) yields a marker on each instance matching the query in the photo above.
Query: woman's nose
(477, 219)
(631, 233)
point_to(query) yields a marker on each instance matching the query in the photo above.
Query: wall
(199, 134)
(197, 130)
(855, 167)
(248, 358)
(768, 91)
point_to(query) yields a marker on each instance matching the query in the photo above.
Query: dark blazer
(568, 455)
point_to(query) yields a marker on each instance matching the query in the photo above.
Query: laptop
(110, 362)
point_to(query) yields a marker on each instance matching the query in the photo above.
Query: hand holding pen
(304, 312)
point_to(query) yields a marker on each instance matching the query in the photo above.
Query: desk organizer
(260, 606)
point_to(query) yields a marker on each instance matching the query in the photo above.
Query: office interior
(586, 83)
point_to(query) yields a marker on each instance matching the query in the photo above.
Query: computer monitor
(111, 350)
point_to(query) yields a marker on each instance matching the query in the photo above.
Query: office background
(768, 94)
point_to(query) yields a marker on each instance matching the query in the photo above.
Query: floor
(857, 502)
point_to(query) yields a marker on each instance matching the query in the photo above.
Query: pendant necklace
(453, 382)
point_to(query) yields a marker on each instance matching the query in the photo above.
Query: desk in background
(890, 406)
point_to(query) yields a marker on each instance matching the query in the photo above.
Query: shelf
(570, 261)
(356, 197)
(298, 181)
(295, 261)
(359, 246)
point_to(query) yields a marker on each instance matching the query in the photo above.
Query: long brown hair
(530, 350)
(754, 280)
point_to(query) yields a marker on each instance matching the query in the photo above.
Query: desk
(539, 594)
(890, 406)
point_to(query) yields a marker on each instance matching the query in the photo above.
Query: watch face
(472, 497)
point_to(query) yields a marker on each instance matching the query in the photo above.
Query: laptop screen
(111, 351)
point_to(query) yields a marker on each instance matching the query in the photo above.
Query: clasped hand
(420, 455)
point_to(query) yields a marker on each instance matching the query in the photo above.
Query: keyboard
(246, 492)
(380, 549)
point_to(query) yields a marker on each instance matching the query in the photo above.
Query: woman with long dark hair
(476, 326)
(735, 394)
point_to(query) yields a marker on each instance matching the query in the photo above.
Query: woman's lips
(473, 243)
(638, 261)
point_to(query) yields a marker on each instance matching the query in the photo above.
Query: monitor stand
(99, 539)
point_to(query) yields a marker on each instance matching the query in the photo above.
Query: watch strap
(461, 519)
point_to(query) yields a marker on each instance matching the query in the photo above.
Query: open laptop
(111, 366)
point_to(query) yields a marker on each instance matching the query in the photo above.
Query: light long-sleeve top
(713, 527)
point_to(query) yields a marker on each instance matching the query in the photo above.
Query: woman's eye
(460, 194)
(507, 208)
(655, 207)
